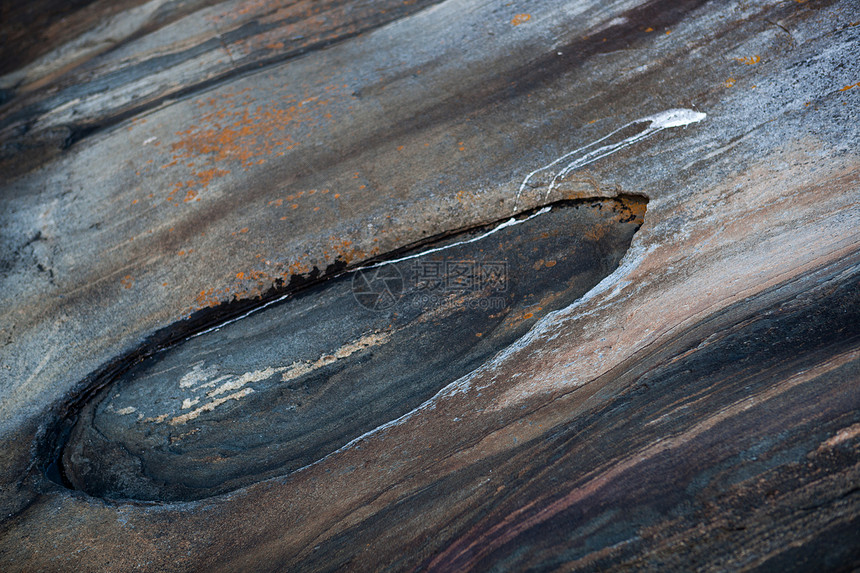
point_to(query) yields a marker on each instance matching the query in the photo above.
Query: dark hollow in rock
(282, 388)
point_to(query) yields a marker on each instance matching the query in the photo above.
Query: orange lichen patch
(127, 281)
(206, 298)
(295, 196)
(207, 175)
(846, 88)
(235, 129)
(274, 273)
(521, 19)
(345, 251)
(202, 179)
(649, 29)
(749, 60)
(635, 209)
(729, 82)
(597, 232)
(134, 202)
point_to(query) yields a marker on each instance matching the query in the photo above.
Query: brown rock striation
(697, 408)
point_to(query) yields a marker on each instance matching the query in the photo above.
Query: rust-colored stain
(253, 283)
(749, 60)
(293, 199)
(846, 88)
(596, 233)
(634, 210)
(521, 19)
(262, 279)
(235, 131)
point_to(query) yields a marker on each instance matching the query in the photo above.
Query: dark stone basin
(284, 387)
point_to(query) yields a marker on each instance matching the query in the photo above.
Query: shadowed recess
(284, 387)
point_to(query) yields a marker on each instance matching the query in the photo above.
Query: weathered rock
(280, 389)
(697, 408)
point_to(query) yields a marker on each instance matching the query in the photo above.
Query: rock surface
(327, 364)
(167, 166)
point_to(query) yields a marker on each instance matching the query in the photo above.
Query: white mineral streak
(297, 369)
(580, 157)
(208, 407)
(196, 375)
(236, 384)
(657, 122)
(246, 378)
(509, 223)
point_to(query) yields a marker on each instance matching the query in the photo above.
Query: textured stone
(280, 389)
(697, 408)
